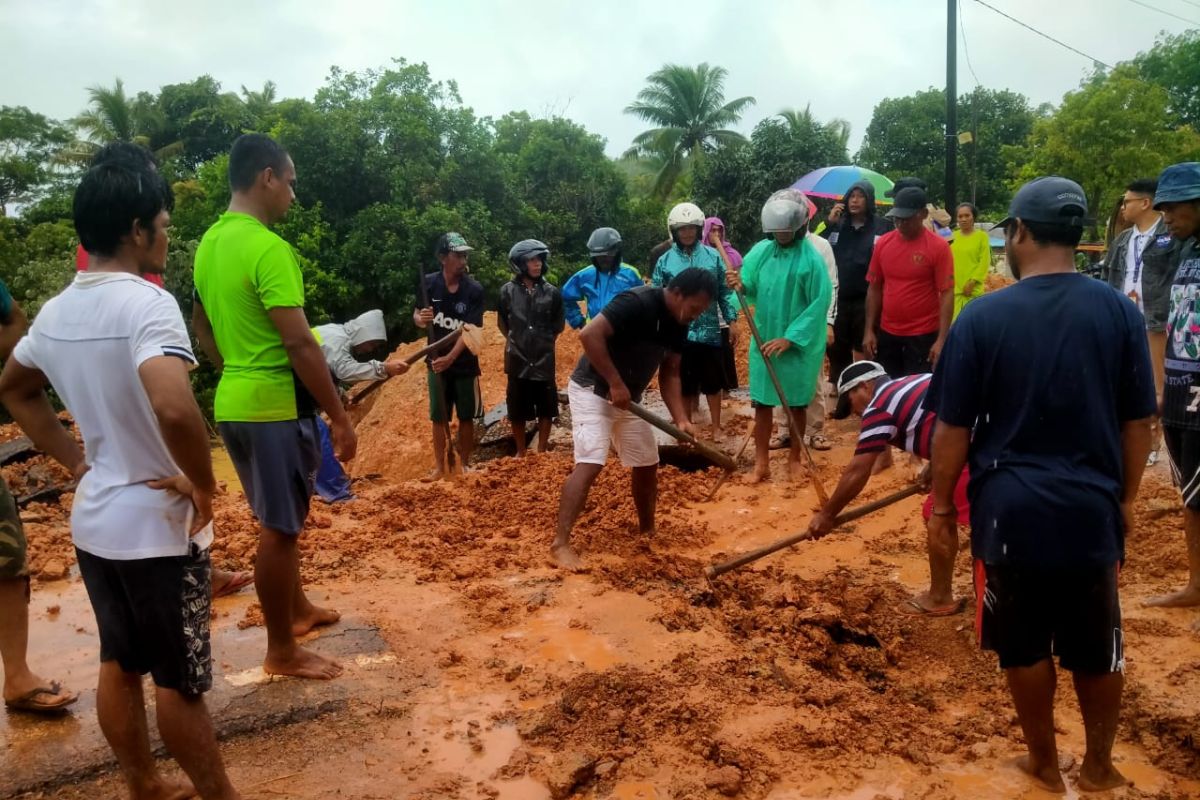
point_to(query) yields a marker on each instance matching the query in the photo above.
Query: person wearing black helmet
(531, 318)
(605, 278)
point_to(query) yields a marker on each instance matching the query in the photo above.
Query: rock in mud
(567, 772)
(53, 570)
(726, 780)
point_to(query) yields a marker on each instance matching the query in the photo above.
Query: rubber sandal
(29, 703)
(239, 581)
(819, 442)
(915, 609)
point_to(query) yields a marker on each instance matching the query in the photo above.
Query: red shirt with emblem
(81, 265)
(913, 274)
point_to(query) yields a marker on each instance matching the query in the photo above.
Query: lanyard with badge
(1139, 249)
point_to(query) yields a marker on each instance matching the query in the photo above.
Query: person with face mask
(531, 318)
(703, 371)
(786, 281)
(599, 282)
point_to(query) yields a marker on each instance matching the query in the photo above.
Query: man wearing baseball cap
(1178, 198)
(1047, 390)
(910, 299)
(894, 415)
(451, 298)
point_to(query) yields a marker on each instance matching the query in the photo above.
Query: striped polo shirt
(897, 417)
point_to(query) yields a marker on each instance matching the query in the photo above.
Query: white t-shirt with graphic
(89, 341)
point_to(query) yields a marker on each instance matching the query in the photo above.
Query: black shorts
(701, 370)
(457, 394)
(153, 616)
(277, 464)
(13, 547)
(529, 400)
(850, 324)
(901, 356)
(1027, 614)
(728, 361)
(1183, 447)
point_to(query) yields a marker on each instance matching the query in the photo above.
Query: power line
(1191, 3)
(966, 52)
(1167, 13)
(1043, 35)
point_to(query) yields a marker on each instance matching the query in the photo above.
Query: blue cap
(1051, 200)
(1178, 183)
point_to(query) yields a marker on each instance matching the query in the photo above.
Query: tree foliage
(27, 143)
(1174, 64)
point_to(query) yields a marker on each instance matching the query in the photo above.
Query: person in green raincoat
(785, 279)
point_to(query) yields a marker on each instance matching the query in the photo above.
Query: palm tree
(800, 121)
(113, 116)
(688, 109)
(259, 103)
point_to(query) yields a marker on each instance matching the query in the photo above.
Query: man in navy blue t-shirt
(1047, 388)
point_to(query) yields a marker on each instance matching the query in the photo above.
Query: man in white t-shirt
(115, 349)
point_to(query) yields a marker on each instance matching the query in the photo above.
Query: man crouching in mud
(639, 331)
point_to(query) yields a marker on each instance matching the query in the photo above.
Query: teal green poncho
(790, 289)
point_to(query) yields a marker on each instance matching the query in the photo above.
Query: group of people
(1034, 406)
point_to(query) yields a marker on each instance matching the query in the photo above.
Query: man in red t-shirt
(910, 299)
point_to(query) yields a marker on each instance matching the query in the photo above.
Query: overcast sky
(583, 60)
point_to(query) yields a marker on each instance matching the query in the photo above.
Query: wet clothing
(153, 616)
(1027, 614)
(450, 312)
(1046, 373)
(276, 463)
(530, 400)
(242, 271)
(595, 288)
(1181, 392)
(530, 319)
(790, 291)
(644, 334)
(706, 328)
(913, 273)
(13, 545)
(972, 260)
(338, 343)
(1154, 265)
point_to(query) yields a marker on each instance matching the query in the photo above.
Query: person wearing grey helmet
(596, 284)
(530, 316)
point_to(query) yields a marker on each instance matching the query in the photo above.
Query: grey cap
(1051, 200)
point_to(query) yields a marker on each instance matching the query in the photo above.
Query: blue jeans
(333, 485)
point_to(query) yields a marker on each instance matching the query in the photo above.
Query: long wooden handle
(793, 426)
(411, 359)
(841, 519)
(718, 457)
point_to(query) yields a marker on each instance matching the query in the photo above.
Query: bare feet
(166, 790)
(303, 663)
(926, 605)
(565, 557)
(314, 619)
(436, 475)
(1047, 775)
(1182, 599)
(1099, 779)
(761, 473)
(797, 472)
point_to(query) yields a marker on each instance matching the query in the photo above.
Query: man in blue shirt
(599, 283)
(1047, 389)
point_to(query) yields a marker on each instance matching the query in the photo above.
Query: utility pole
(951, 102)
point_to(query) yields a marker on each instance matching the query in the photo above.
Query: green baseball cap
(453, 242)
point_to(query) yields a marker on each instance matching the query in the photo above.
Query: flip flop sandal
(915, 609)
(239, 581)
(819, 442)
(29, 702)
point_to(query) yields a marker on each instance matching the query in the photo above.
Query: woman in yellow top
(972, 258)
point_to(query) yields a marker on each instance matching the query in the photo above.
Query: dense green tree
(1174, 64)
(688, 109)
(28, 143)
(1112, 129)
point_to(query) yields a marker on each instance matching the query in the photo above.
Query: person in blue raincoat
(785, 279)
(595, 285)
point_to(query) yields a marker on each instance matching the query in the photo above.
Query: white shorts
(596, 424)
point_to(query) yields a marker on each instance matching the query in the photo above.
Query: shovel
(718, 457)
(471, 335)
(846, 516)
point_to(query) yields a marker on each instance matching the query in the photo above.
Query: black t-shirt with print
(644, 332)
(450, 311)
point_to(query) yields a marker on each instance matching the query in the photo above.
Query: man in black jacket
(852, 229)
(1141, 264)
(531, 318)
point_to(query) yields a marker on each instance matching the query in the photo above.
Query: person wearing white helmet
(702, 369)
(785, 278)
(530, 316)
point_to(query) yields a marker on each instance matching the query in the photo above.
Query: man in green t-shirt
(249, 319)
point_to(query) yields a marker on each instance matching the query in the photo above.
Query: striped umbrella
(834, 182)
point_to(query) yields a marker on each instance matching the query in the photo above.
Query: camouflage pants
(12, 538)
